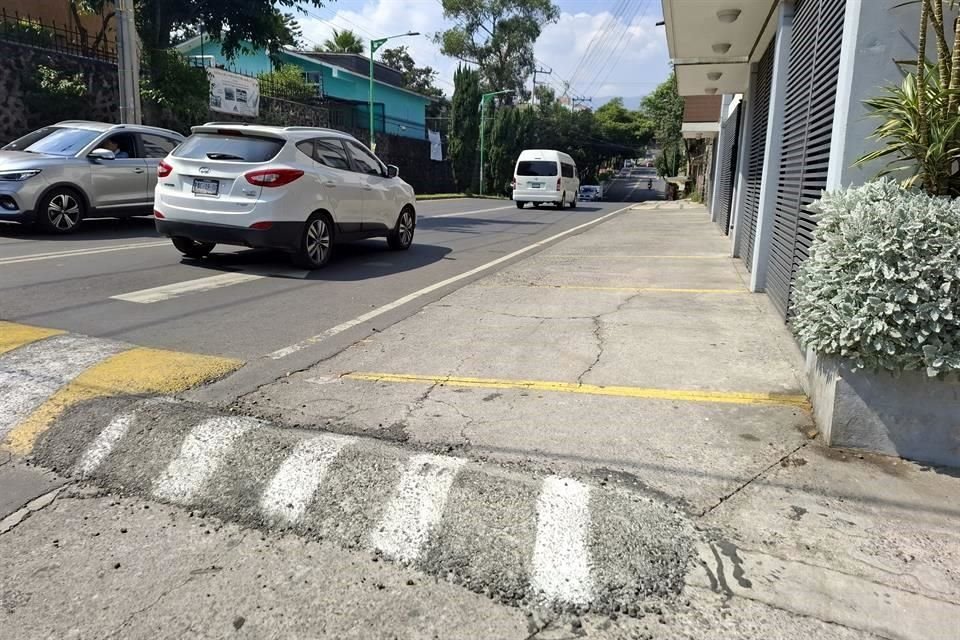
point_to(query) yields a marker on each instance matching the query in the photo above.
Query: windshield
(57, 141)
(231, 146)
(536, 168)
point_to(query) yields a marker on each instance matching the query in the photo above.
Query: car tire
(563, 199)
(192, 248)
(60, 211)
(520, 205)
(573, 203)
(401, 237)
(316, 242)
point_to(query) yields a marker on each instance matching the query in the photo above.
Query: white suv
(300, 189)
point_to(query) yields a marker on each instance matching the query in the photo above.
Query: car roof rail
(220, 124)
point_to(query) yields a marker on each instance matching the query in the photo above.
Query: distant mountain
(630, 102)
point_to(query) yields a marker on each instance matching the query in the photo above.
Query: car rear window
(233, 147)
(536, 168)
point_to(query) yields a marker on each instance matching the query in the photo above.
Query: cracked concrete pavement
(629, 360)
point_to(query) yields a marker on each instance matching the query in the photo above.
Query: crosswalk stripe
(139, 370)
(13, 335)
(561, 559)
(202, 452)
(103, 444)
(177, 289)
(416, 507)
(31, 374)
(292, 488)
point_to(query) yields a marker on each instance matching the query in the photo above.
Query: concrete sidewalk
(634, 355)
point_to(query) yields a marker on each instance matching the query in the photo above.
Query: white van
(545, 176)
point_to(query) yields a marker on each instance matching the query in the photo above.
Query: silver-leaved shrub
(881, 287)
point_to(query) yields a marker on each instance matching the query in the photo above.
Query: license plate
(536, 185)
(206, 187)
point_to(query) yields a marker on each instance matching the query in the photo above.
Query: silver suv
(58, 175)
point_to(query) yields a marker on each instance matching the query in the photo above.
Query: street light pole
(483, 112)
(374, 45)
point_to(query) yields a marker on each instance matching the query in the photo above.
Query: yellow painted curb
(140, 370)
(724, 397)
(13, 335)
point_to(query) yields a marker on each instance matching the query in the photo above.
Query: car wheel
(61, 211)
(192, 248)
(520, 205)
(573, 203)
(316, 242)
(563, 200)
(401, 237)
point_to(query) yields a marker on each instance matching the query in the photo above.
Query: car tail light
(261, 226)
(513, 183)
(164, 169)
(558, 184)
(158, 215)
(273, 177)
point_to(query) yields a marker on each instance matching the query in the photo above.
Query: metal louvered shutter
(808, 121)
(757, 149)
(728, 169)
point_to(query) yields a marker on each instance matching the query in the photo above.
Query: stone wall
(25, 107)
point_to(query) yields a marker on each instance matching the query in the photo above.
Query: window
(229, 146)
(536, 168)
(332, 154)
(155, 146)
(57, 141)
(364, 161)
(306, 148)
(123, 146)
(567, 170)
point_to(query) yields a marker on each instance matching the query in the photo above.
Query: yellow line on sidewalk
(724, 397)
(623, 289)
(13, 335)
(140, 370)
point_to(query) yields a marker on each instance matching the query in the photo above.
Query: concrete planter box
(911, 416)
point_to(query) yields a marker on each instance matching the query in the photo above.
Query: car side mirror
(103, 154)
(392, 171)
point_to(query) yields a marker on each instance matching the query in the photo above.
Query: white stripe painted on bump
(561, 557)
(292, 488)
(103, 444)
(201, 454)
(417, 506)
(31, 374)
(177, 289)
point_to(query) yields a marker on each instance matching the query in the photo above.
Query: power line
(594, 46)
(617, 51)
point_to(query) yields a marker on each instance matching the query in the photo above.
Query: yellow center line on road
(678, 395)
(137, 371)
(71, 253)
(13, 335)
(620, 289)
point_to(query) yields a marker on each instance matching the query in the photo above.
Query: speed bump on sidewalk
(43, 372)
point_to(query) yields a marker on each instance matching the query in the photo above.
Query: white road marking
(201, 454)
(465, 213)
(31, 374)
(177, 289)
(399, 302)
(103, 444)
(561, 557)
(291, 489)
(417, 506)
(70, 253)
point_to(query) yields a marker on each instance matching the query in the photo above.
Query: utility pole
(374, 45)
(484, 99)
(546, 72)
(128, 64)
(575, 99)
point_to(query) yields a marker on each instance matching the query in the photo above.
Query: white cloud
(628, 59)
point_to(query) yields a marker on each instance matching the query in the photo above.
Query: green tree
(175, 94)
(262, 23)
(345, 41)
(512, 131)
(419, 79)
(286, 82)
(464, 134)
(620, 125)
(498, 36)
(664, 108)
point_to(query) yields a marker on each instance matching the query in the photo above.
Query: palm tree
(345, 41)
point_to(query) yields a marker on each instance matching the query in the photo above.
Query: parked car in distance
(591, 192)
(298, 189)
(545, 176)
(59, 175)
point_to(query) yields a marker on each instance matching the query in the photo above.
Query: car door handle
(139, 170)
(330, 183)
(367, 188)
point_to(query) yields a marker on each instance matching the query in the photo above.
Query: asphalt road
(255, 306)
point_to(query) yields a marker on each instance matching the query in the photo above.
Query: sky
(601, 55)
